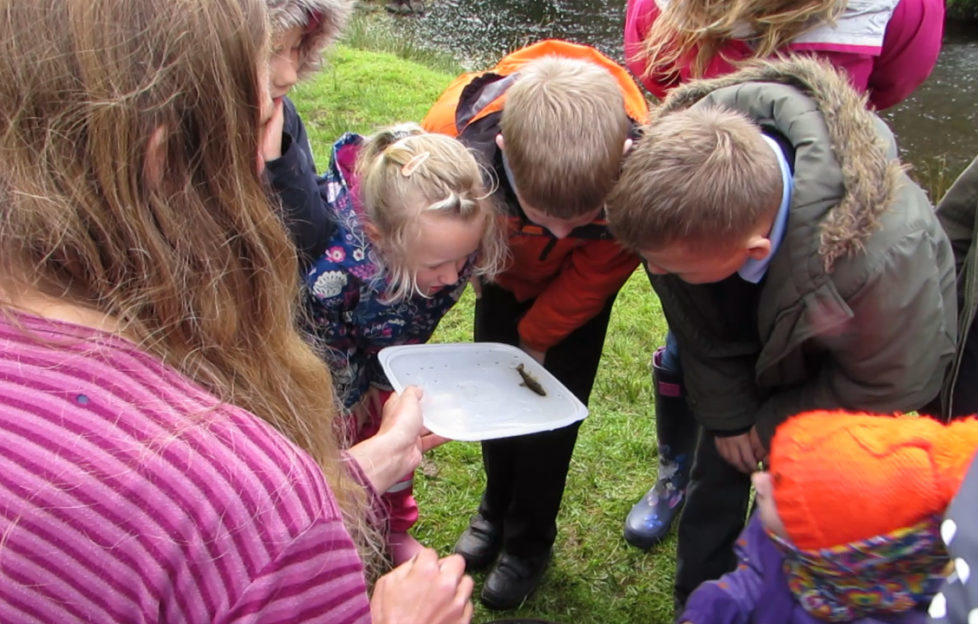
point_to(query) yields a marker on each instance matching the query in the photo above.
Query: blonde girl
(167, 452)
(415, 222)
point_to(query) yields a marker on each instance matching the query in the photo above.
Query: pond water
(937, 127)
(939, 121)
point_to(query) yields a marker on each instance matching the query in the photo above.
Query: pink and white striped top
(130, 494)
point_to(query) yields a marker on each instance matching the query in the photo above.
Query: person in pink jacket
(888, 47)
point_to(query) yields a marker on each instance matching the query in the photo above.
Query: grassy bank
(595, 576)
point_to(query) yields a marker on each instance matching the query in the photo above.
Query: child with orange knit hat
(848, 523)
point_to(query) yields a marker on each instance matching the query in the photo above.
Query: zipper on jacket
(546, 250)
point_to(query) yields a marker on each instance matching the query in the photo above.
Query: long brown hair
(705, 26)
(194, 264)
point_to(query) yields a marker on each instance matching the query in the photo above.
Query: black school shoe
(479, 544)
(513, 580)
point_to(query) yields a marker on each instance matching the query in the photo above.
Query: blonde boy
(551, 121)
(797, 265)
(709, 201)
(563, 131)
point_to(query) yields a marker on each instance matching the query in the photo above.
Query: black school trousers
(965, 401)
(525, 475)
(713, 516)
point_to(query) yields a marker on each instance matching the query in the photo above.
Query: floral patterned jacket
(350, 319)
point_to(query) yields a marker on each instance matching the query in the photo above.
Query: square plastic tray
(472, 390)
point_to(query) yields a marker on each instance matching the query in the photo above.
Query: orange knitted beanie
(840, 476)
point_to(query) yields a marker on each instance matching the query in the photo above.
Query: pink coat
(888, 47)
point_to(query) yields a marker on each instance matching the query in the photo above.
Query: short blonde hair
(703, 176)
(564, 126)
(405, 163)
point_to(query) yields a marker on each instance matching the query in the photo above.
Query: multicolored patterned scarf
(888, 573)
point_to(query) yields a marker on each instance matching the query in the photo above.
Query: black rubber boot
(650, 518)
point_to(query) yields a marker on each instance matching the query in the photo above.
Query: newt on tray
(530, 381)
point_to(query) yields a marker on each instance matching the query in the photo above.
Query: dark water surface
(937, 127)
(939, 121)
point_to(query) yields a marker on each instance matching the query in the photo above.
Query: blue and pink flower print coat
(350, 318)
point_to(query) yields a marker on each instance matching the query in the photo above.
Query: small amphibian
(530, 381)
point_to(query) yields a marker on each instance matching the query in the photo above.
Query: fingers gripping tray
(474, 390)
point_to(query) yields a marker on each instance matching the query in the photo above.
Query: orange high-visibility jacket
(571, 278)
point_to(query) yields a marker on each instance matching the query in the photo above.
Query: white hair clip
(412, 165)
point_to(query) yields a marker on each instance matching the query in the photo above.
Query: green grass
(370, 31)
(595, 576)
(360, 91)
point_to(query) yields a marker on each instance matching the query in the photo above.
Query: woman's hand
(402, 420)
(424, 590)
(396, 449)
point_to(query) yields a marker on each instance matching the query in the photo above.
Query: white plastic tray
(472, 390)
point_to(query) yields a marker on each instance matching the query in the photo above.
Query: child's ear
(758, 247)
(499, 141)
(627, 148)
(155, 161)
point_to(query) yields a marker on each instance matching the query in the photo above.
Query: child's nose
(286, 71)
(290, 75)
(449, 275)
(295, 60)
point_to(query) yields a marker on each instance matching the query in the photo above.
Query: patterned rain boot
(650, 518)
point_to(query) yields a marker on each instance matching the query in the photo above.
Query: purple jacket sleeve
(732, 598)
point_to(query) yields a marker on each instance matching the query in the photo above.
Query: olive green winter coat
(857, 309)
(958, 213)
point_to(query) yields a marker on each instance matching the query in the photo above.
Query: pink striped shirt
(130, 494)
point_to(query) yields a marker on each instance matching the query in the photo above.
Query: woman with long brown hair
(167, 435)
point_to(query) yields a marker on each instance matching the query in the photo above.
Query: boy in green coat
(798, 267)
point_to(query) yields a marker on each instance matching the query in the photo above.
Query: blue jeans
(670, 357)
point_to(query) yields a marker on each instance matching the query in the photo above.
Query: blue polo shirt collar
(752, 270)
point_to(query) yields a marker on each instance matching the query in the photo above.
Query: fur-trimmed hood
(857, 307)
(332, 16)
(866, 156)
